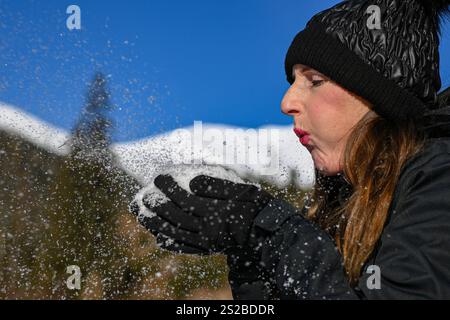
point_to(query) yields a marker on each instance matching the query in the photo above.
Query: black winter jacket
(300, 260)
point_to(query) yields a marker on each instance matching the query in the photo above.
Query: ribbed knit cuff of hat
(319, 50)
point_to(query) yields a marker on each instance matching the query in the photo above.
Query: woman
(377, 225)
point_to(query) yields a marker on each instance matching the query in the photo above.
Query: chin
(327, 171)
(324, 167)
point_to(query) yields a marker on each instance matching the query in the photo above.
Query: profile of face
(324, 114)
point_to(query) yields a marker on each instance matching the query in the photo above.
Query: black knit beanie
(393, 64)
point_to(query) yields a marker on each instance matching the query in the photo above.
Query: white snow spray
(182, 174)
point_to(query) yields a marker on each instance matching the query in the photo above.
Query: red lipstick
(300, 132)
(303, 136)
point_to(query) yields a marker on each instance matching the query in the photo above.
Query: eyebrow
(305, 69)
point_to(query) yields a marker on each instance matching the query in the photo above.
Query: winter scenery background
(71, 162)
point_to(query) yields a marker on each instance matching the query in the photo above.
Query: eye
(316, 83)
(316, 80)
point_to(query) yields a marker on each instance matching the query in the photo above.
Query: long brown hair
(373, 159)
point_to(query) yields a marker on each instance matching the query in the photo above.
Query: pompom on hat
(393, 64)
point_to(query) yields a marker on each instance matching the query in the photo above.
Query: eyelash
(317, 83)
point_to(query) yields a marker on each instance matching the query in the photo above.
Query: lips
(303, 136)
(304, 140)
(300, 132)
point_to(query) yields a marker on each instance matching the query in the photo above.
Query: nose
(291, 104)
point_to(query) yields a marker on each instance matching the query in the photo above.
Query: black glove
(217, 218)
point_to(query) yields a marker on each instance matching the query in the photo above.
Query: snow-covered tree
(92, 134)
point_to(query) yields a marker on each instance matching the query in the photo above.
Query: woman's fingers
(157, 225)
(210, 187)
(174, 192)
(177, 217)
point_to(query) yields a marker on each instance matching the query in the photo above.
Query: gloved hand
(217, 218)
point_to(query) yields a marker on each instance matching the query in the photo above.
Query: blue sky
(169, 62)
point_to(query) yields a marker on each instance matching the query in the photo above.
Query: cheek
(327, 118)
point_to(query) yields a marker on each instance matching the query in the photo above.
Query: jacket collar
(436, 122)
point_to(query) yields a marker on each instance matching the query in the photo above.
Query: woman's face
(324, 114)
